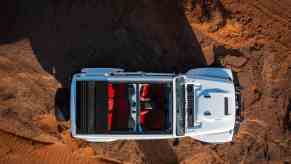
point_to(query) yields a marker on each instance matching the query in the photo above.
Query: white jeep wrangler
(108, 104)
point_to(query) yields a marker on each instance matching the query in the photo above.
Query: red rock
(235, 61)
(209, 54)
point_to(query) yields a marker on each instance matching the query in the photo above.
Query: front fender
(217, 138)
(211, 72)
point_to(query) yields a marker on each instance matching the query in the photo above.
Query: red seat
(152, 118)
(143, 114)
(144, 96)
(120, 107)
(111, 94)
(117, 106)
(145, 92)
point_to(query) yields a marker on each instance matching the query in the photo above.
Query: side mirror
(176, 142)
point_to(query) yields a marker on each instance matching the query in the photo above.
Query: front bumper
(239, 106)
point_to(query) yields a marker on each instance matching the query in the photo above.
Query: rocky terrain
(43, 42)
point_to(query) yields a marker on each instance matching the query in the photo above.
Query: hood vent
(226, 111)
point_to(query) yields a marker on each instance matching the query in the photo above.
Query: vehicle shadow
(62, 104)
(75, 35)
(67, 35)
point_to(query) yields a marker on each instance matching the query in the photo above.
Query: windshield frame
(179, 83)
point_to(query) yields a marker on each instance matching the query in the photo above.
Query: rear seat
(111, 93)
(118, 107)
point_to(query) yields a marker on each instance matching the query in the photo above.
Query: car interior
(123, 108)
